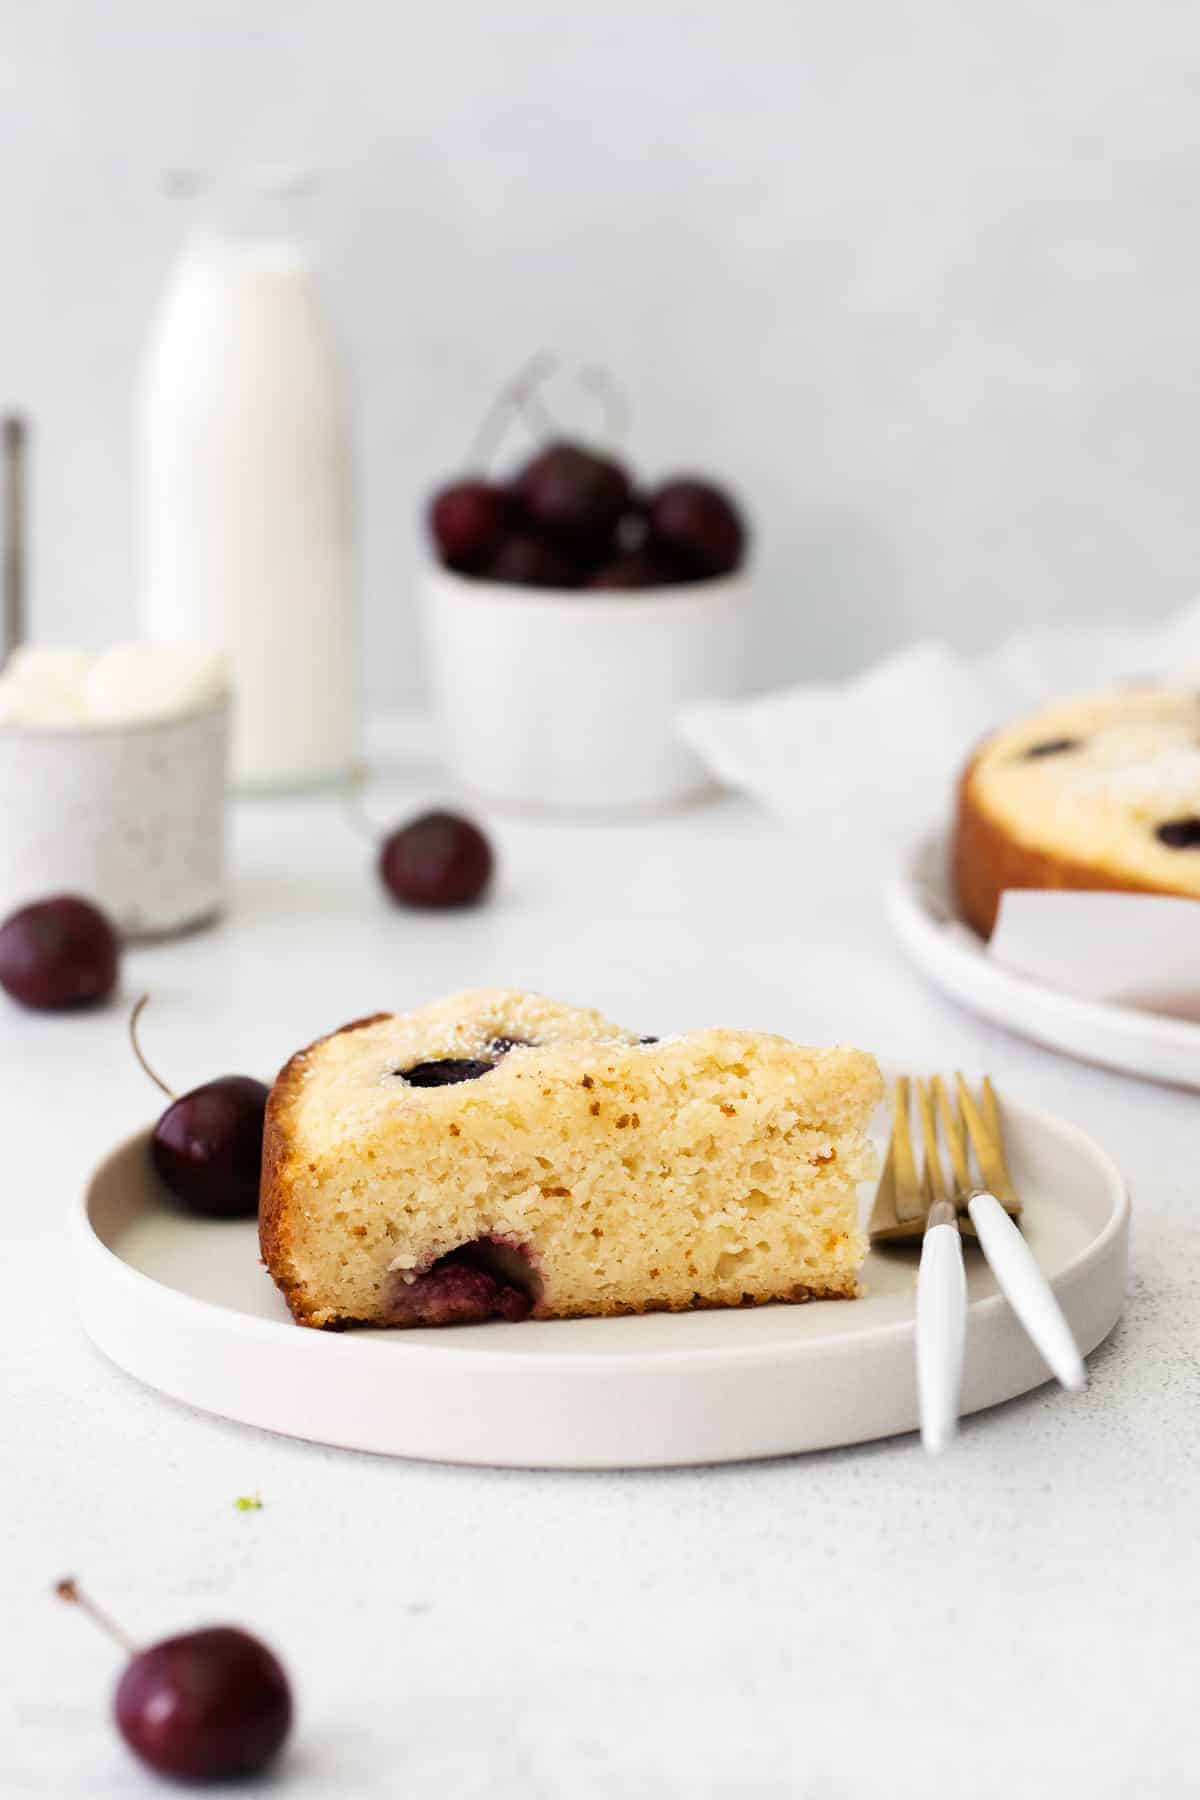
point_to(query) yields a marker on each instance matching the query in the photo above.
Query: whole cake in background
(497, 1155)
(1101, 792)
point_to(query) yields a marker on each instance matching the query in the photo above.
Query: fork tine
(956, 1142)
(986, 1146)
(934, 1184)
(910, 1203)
(991, 1114)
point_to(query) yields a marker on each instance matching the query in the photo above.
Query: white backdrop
(919, 277)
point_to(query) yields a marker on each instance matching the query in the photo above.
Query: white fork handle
(1026, 1289)
(941, 1326)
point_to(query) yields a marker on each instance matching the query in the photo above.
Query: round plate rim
(91, 1248)
(1014, 1000)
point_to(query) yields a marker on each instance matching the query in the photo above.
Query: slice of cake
(497, 1155)
(1094, 793)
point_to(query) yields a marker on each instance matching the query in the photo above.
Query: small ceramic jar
(130, 814)
(566, 700)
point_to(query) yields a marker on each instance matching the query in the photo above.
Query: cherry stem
(517, 398)
(357, 816)
(614, 402)
(68, 1589)
(157, 1079)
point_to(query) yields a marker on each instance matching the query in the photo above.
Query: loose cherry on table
(58, 953)
(207, 1146)
(209, 1705)
(438, 860)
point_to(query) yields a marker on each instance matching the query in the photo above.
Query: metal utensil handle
(15, 440)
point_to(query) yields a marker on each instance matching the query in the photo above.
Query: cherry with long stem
(603, 385)
(207, 1146)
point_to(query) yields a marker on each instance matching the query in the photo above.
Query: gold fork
(917, 1203)
(905, 1196)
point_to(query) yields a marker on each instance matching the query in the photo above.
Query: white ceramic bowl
(567, 700)
(130, 815)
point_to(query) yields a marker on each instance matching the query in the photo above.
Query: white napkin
(878, 756)
(886, 747)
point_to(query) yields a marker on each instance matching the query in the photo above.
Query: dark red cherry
(58, 953)
(445, 1071)
(468, 519)
(635, 569)
(1180, 834)
(207, 1147)
(528, 561)
(437, 860)
(573, 495)
(699, 525)
(1052, 747)
(206, 1706)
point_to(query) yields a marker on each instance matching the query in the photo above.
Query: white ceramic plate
(184, 1305)
(925, 917)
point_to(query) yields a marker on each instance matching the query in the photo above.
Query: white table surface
(1019, 1619)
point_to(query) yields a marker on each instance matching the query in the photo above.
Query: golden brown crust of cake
(274, 1212)
(986, 858)
(1095, 791)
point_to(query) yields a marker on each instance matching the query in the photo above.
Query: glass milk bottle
(245, 488)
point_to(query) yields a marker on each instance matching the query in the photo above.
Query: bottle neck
(263, 215)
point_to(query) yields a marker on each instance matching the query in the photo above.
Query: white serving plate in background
(184, 1305)
(925, 917)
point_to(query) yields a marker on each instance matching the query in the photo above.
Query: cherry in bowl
(696, 525)
(468, 521)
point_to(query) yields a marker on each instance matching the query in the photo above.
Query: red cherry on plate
(697, 524)
(207, 1146)
(58, 953)
(468, 519)
(208, 1705)
(436, 860)
(573, 495)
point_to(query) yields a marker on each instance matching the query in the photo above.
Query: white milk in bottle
(245, 495)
